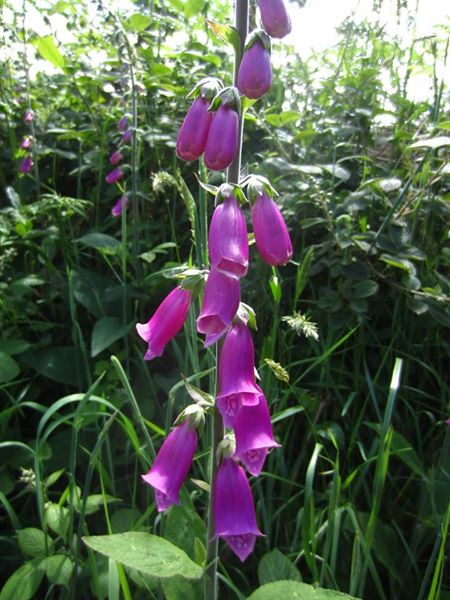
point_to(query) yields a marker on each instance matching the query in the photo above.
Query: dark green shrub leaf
(293, 590)
(147, 553)
(106, 332)
(59, 569)
(364, 289)
(9, 369)
(24, 583)
(35, 542)
(275, 566)
(57, 518)
(99, 241)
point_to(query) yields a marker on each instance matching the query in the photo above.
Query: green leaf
(275, 566)
(100, 241)
(139, 22)
(48, 50)
(283, 118)
(24, 583)
(65, 365)
(183, 525)
(226, 32)
(293, 590)
(9, 369)
(193, 7)
(106, 331)
(12, 347)
(177, 588)
(59, 569)
(364, 289)
(434, 142)
(57, 518)
(147, 553)
(35, 542)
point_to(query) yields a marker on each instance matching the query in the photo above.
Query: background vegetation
(352, 335)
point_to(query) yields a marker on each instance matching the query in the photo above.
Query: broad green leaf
(283, 118)
(294, 590)
(139, 22)
(24, 583)
(177, 588)
(434, 142)
(48, 50)
(57, 518)
(65, 365)
(364, 289)
(183, 525)
(9, 369)
(275, 566)
(59, 568)
(12, 347)
(225, 32)
(99, 241)
(147, 553)
(106, 331)
(193, 7)
(35, 542)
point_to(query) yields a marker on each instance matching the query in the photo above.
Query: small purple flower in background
(254, 436)
(271, 234)
(127, 136)
(237, 385)
(25, 144)
(114, 176)
(220, 303)
(171, 465)
(222, 142)
(115, 157)
(193, 133)
(227, 238)
(122, 125)
(167, 321)
(26, 165)
(118, 207)
(275, 18)
(234, 511)
(255, 72)
(28, 116)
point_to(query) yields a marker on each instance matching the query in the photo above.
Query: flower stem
(241, 24)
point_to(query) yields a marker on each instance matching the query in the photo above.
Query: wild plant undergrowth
(351, 334)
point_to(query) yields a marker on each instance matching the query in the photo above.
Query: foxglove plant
(275, 18)
(255, 72)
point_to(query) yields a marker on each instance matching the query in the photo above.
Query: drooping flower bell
(220, 303)
(114, 176)
(127, 136)
(167, 321)
(227, 238)
(26, 143)
(118, 207)
(275, 18)
(255, 72)
(115, 157)
(271, 234)
(223, 135)
(26, 165)
(254, 436)
(28, 116)
(171, 465)
(122, 124)
(193, 133)
(234, 511)
(237, 386)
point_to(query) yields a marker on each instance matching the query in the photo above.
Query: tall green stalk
(212, 545)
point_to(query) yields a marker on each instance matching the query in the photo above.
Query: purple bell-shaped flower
(220, 303)
(275, 18)
(255, 72)
(237, 385)
(254, 437)
(171, 465)
(26, 165)
(222, 142)
(271, 234)
(118, 207)
(167, 321)
(234, 511)
(227, 239)
(114, 176)
(193, 133)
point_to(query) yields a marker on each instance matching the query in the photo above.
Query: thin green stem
(212, 547)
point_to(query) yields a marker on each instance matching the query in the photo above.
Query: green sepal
(256, 186)
(226, 32)
(226, 448)
(230, 97)
(208, 88)
(230, 189)
(258, 35)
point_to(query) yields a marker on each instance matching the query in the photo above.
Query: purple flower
(237, 385)
(255, 72)
(191, 140)
(167, 321)
(115, 157)
(28, 116)
(118, 207)
(234, 512)
(271, 234)
(220, 303)
(127, 136)
(114, 176)
(275, 18)
(171, 465)
(227, 239)
(26, 165)
(222, 142)
(122, 125)
(254, 436)
(26, 143)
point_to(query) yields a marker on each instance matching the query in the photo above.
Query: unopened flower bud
(26, 165)
(222, 142)
(255, 72)
(114, 176)
(193, 133)
(275, 18)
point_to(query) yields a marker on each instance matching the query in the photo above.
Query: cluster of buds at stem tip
(211, 126)
(255, 72)
(275, 18)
